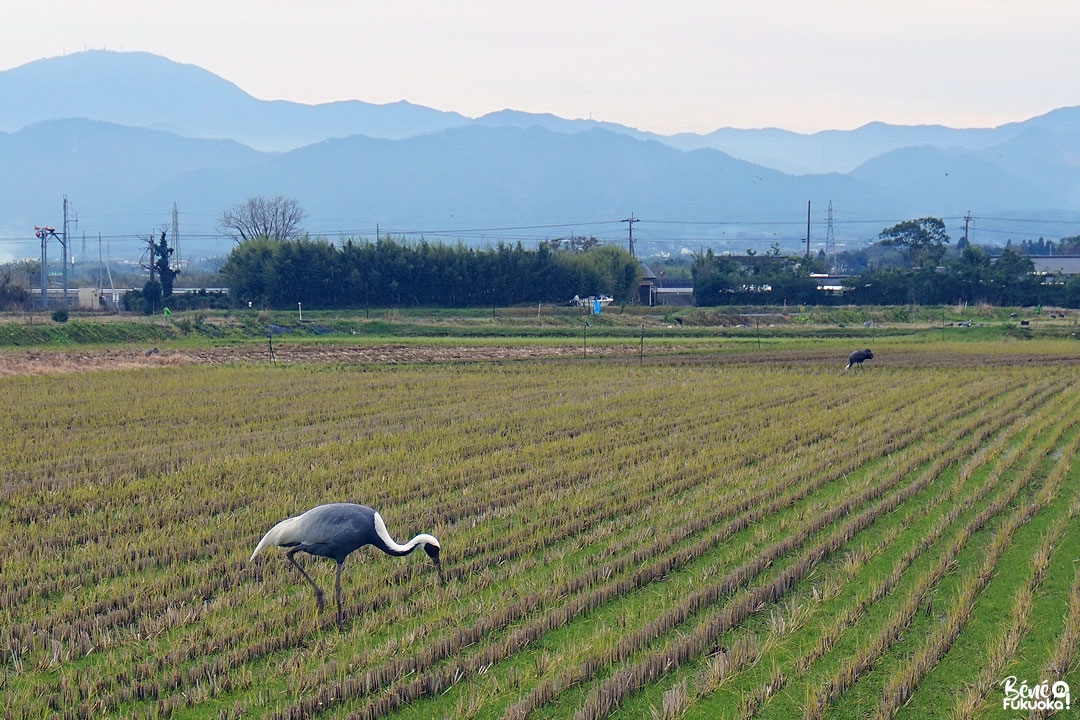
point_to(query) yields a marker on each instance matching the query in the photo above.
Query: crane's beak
(442, 578)
(433, 553)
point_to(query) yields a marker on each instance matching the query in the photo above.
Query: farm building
(1063, 265)
(654, 290)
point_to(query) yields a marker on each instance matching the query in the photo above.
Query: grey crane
(857, 357)
(335, 530)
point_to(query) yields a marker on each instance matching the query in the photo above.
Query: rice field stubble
(677, 539)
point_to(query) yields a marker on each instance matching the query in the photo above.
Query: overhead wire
(660, 230)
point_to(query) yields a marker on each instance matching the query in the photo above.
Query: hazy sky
(661, 66)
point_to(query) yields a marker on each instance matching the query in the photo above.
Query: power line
(656, 232)
(518, 229)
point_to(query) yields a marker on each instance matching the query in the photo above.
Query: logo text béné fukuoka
(1040, 696)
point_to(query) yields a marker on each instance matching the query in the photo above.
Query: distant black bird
(335, 530)
(857, 357)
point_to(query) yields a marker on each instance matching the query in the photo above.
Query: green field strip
(976, 662)
(606, 696)
(620, 597)
(803, 645)
(954, 620)
(1034, 457)
(1055, 602)
(852, 686)
(1062, 664)
(926, 480)
(714, 708)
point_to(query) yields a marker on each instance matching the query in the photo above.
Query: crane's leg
(318, 593)
(337, 588)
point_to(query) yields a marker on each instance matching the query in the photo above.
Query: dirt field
(49, 362)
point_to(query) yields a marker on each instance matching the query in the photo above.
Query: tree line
(911, 263)
(972, 276)
(273, 265)
(278, 273)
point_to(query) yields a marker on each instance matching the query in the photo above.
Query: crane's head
(432, 548)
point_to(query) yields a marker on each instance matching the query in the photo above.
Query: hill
(148, 91)
(137, 133)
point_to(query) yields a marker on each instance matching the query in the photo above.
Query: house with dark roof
(654, 291)
(1060, 265)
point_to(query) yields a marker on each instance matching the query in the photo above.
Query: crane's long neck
(392, 547)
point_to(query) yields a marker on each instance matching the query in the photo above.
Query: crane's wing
(284, 534)
(333, 530)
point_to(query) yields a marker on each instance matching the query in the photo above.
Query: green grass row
(545, 321)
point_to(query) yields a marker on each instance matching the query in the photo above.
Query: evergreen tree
(165, 272)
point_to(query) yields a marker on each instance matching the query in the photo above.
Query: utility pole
(630, 230)
(176, 235)
(967, 222)
(64, 243)
(830, 242)
(807, 228)
(152, 249)
(108, 259)
(64, 252)
(43, 232)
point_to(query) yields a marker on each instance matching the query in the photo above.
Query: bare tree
(277, 218)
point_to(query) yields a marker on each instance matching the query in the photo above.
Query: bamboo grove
(675, 539)
(385, 273)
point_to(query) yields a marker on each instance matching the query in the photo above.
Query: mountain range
(126, 136)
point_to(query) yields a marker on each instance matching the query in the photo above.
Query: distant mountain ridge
(134, 132)
(145, 90)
